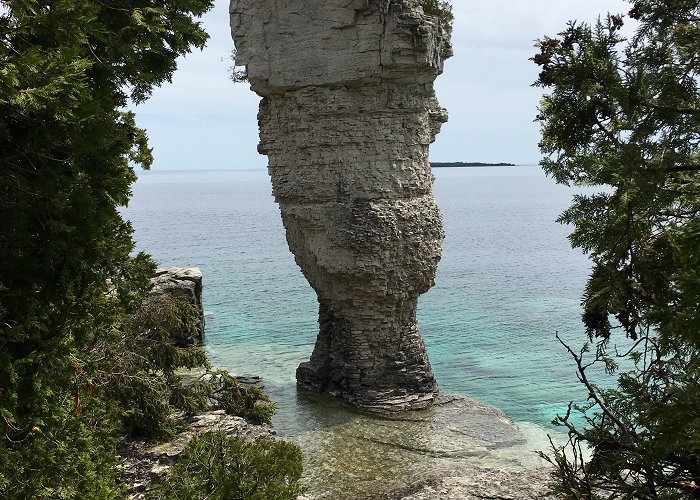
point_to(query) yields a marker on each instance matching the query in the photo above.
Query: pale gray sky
(203, 121)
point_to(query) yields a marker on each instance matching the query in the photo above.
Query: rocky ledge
(143, 464)
(348, 112)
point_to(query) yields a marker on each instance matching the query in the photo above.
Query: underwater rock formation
(347, 114)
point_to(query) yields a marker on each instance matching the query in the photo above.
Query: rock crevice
(347, 114)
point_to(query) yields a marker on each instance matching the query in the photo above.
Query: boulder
(188, 282)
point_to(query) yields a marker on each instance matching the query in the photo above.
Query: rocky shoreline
(461, 427)
(143, 463)
(444, 452)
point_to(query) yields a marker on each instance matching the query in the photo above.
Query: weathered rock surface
(347, 115)
(188, 282)
(458, 445)
(478, 484)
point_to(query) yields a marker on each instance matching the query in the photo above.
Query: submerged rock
(188, 282)
(450, 451)
(347, 115)
(478, 484)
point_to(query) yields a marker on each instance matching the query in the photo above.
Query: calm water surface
(507, 282)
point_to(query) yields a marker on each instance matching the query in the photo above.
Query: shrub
(215, 466)
(147, 385)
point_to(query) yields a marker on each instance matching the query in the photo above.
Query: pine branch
(691, 167)
(674, 109)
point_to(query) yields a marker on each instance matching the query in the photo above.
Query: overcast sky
(203, 121)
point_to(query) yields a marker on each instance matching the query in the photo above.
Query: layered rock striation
(347, 114)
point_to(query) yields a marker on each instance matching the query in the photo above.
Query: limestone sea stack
(347, 114)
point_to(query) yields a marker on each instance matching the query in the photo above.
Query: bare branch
(675, 109)
(593, 392)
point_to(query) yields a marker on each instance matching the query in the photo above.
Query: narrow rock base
(383, 370)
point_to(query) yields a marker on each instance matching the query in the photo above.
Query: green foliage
(68, 452)
(145, 376)
(82, 356)
(442, 9)
(625, 115)
(142, 375)
(215, 466)
(67, 69)
(220, 389)
(250, 403)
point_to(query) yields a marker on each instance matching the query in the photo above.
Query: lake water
(507, 282)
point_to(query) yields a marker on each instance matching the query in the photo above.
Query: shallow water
(507, 282)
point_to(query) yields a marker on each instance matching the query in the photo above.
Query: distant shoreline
(469, 164)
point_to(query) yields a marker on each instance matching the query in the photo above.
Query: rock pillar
(347, 114)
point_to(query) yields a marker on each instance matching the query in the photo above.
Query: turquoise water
(507, 281)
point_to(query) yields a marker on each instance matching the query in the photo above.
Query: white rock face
(347, 115)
